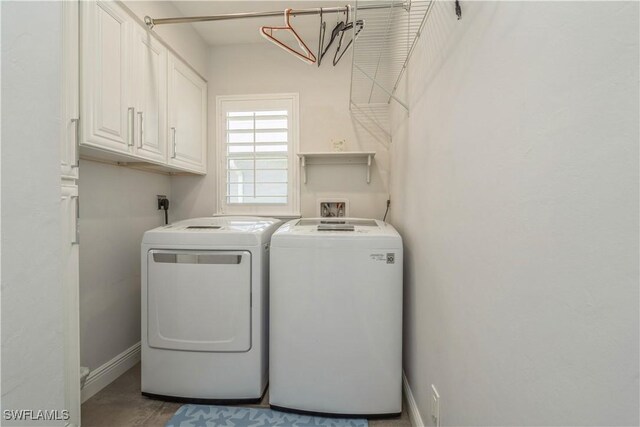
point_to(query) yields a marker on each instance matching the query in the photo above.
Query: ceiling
(247, 30)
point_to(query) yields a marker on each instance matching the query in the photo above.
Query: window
(257, 147)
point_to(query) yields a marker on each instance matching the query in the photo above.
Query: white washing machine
(205, 309)
(336, 318)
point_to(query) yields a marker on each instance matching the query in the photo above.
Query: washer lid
(330, 231)
(337, 223)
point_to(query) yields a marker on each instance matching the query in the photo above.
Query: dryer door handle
(197, 258)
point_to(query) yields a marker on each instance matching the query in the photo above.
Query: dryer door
(199, 300)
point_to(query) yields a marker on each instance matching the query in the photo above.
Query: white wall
(515, 186)
(117, 206)
(324, 115)
(32, 318)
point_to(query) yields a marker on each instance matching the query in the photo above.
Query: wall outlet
(160, 197)
(435, 406)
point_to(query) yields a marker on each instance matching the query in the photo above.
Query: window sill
(284, 217)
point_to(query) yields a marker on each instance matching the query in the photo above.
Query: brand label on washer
(389, 258)
(377, 257)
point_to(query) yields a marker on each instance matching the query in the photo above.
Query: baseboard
(412, 406)
(107, 373)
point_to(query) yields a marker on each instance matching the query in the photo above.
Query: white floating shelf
(337, 158)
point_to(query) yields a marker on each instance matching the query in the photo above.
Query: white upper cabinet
(187, 117)
(107, 108)
(150, 89)
(70, 90)
(138, 102)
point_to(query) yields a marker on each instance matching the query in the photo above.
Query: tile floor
(121, 405)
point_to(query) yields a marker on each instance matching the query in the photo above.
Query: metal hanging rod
(151, 22)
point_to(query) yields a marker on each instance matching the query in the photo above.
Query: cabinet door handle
(173, 139)
(76, 240)
(140, 129)
(130, 125)
(76, 145)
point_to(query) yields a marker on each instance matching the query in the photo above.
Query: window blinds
(257, 156)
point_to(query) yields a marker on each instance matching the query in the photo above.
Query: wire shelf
(380, 56)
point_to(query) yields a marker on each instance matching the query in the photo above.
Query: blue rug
(232, 416)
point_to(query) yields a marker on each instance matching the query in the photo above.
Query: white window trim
(293, 208)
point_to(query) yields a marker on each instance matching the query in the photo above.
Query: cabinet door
(70, 90)
(107, 110)
(187, 117)
(70, 268)
(150, 62)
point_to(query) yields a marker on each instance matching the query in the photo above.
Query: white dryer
(205, 309)
(336, 318)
